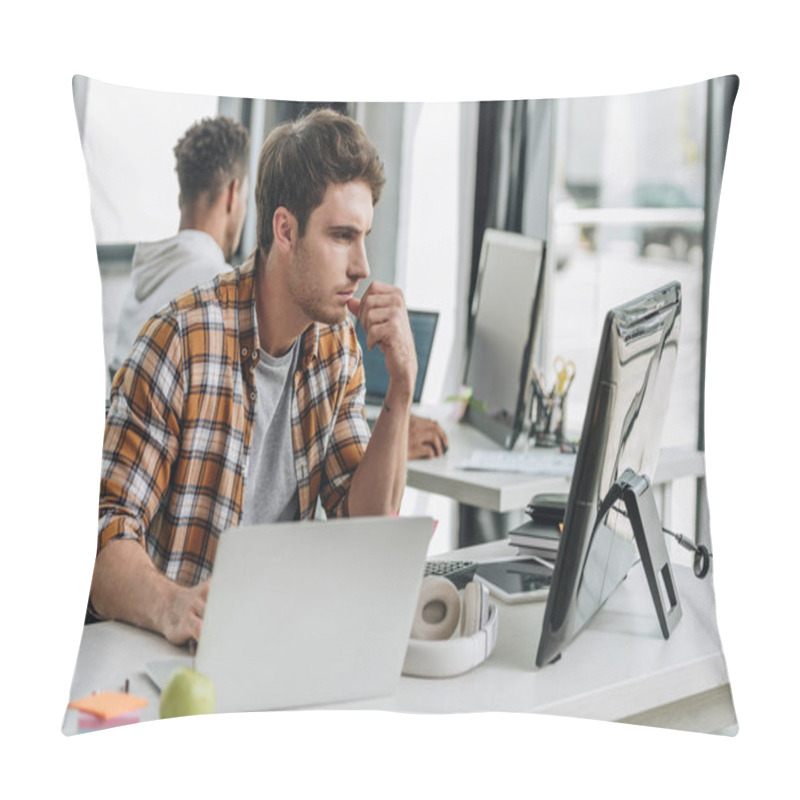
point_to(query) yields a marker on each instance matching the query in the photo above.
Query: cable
(702, 555)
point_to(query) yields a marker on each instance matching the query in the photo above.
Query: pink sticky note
(91, 722)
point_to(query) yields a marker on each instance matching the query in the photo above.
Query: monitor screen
(621, 431)
(423, 327)
(504, 318)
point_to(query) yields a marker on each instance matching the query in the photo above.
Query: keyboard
(532, 462)
(459, 573)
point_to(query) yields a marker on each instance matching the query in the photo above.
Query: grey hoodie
(159, 273)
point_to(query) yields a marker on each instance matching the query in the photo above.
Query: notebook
(423, 327)
(310, 613)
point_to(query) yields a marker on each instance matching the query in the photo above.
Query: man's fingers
(426, 438)
(381, 333)
(420, 450)
(430, 440)
(198, 606)
(354, 304)
(432, 429)
(375, 300)
(358, 307)
(189, 610)
(436, 444)
(197, 626)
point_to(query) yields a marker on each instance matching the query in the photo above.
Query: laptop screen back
(306, 613)
(423, 327)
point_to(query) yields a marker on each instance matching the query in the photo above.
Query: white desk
(508, 491)
(619, 668)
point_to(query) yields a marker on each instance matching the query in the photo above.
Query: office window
(627, 217)
(128, 137)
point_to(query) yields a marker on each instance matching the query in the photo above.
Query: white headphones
(433, 652)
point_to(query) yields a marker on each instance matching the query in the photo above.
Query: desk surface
(508, 491)
(619, 668)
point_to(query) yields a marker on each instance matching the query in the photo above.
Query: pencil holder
(547, 416)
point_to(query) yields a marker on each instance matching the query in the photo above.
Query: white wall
(128, 142)
(429, 257)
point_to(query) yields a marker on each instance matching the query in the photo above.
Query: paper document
(533, 462)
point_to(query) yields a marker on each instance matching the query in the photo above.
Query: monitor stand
(636, 493)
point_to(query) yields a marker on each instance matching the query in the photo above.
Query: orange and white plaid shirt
(180, 421)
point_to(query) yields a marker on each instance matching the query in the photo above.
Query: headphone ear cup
(438, 609)
(476, 608)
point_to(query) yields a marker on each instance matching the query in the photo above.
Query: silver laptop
(310, 613)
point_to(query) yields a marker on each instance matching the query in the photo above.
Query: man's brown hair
(212, 152)
(300, 159)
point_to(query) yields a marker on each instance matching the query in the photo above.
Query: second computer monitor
(505, 313)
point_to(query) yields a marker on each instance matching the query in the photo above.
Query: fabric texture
(160, 271)
(180, 421)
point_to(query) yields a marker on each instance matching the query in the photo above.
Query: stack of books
(540, 536)
(536, 539)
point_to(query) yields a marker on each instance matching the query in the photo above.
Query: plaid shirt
(179, 425)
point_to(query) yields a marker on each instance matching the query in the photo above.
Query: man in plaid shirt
(242, 400)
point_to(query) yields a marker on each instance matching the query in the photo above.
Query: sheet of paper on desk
(531, 462)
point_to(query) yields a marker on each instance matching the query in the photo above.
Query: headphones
(433, 651)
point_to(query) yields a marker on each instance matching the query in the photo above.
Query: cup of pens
(547, 415)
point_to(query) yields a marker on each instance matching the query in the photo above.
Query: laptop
(309, 613)
(423, 328)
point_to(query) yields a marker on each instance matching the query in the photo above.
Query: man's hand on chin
(382, 313)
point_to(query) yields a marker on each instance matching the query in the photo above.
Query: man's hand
(382, 313)
(127, 586)
(426, 438)
(379, 480)
(183, 617)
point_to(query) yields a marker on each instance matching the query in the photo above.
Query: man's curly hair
(211, 153)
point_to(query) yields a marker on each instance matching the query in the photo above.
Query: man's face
(330, 259)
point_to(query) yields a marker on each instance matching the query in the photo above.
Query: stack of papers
(532, 462)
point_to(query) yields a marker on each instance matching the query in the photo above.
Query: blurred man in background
(211, 160)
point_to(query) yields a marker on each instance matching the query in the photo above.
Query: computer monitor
(611, 515)
(423, 328)
(505, 313)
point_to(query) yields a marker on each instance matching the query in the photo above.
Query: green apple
(187, 692)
